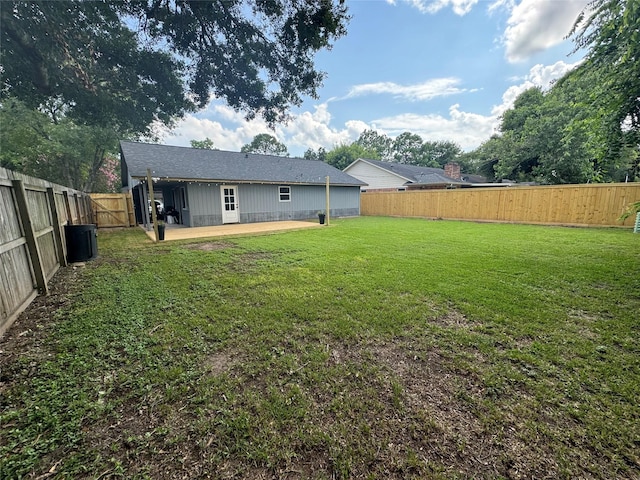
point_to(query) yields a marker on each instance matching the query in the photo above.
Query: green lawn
(374, 348)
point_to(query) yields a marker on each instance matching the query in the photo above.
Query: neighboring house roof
(412, 174)
(184, 163)
(471, 178)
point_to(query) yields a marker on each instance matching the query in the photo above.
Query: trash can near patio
(82, 242)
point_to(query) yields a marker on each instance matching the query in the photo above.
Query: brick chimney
(452, 170)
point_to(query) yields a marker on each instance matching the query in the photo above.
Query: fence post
(78, 210)
(67, 207)
(131, 213)
(55, 219)
(30, 237)
(88, 208)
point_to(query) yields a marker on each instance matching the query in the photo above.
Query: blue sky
(444, 69)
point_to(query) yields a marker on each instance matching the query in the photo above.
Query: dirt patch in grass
(437, 420)
(210, 246)
(248, 261)
(429, 415)
(453, 318)
(222, 362)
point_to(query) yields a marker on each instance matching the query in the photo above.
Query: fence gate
(113, 210)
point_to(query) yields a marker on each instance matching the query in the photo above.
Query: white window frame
(286, 194)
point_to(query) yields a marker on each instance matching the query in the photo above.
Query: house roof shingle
(184, 163)
(415, 174)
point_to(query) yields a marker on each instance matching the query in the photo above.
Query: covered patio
(180, 232)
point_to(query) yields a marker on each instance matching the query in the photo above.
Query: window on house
(284, 193)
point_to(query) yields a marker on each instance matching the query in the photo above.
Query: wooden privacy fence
(113, 210)
(580, 205)
(32, 242)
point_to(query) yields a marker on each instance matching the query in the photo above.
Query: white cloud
(539, 75)
(466, 129)
(498, 4)
(535, 25)
(459, 7)
(313, 129)
(230, 131)
(438, 87)
(209, 123)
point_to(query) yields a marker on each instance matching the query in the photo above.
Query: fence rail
(32, 244)
(581, 205)
(113, 209)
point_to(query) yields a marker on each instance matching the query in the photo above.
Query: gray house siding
(190, 181)
(173, 196)
(204, 205)
(260, 203)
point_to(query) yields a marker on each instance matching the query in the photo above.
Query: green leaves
(82, 55)
(58, 150)
(408, 148)
(206, 144)
(609, 30)
(266, 144)
(343, 155)
(132, 62)
(587, 127)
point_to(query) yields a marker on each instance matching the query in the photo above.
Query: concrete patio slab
(177, 232)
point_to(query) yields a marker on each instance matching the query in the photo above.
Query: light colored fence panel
(18, 283)
(9, 223)
(31, 242)
(113, 209)
(40, 215)
(594, 204)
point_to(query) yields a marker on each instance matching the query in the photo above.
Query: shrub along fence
(579, 205)
(113, 210)
(32, 242)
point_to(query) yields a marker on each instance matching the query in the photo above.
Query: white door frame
(229, 203)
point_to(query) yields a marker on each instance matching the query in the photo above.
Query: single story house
(389, 176)
(213, 187)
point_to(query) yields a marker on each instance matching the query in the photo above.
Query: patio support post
(154, 214)
(328, 206)
(145, 209)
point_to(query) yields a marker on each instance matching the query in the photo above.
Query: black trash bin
(82, 242)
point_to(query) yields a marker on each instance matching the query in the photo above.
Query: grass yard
(375, 348)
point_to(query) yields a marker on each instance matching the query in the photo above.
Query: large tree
(133, 61)
(92, 67)
(547, 137)
(343, 155)
(587, 127)
(266, 144)
(62, 151)
(409, 148)
(608, 29)
(437, 154)
(377, 142)
(206, 144)
(406, 148)
(311, 154)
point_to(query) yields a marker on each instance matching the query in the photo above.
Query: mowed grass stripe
(374, 348)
